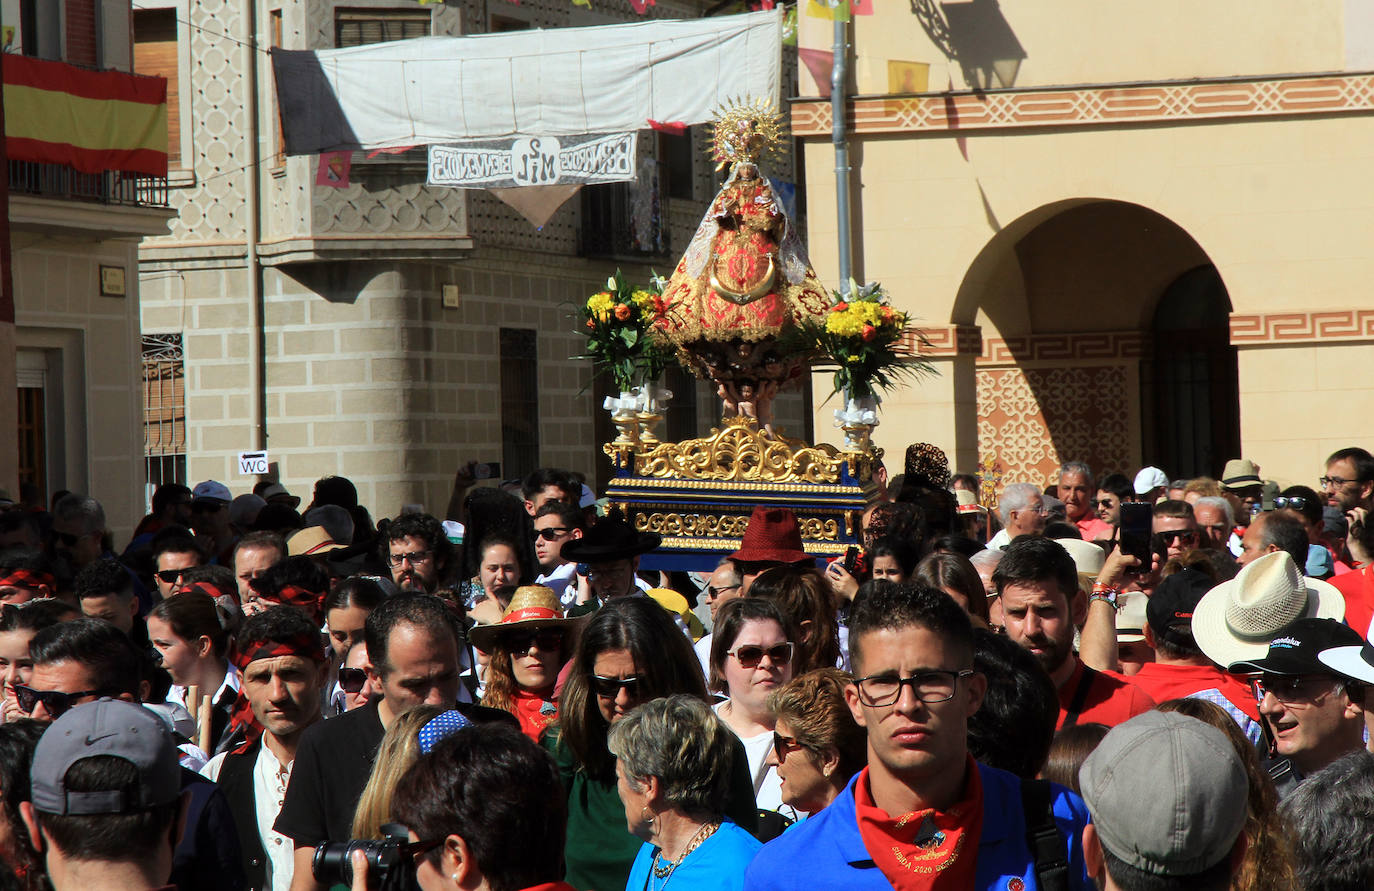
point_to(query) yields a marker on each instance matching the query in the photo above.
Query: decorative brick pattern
(1096, 106)
(948, 341)
(1031, 420)
(1258, 329)
(1063, 347)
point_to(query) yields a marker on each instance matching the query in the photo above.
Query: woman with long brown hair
(527, 649)
(802, 595)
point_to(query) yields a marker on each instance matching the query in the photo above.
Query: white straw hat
(1237, 619)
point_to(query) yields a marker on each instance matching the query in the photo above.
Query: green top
(600, 848)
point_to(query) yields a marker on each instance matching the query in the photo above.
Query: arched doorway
(1191, 424)
(1089, 311)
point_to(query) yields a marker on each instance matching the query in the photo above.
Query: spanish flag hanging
(91, 121)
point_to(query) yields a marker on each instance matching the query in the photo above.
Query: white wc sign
(252, 462)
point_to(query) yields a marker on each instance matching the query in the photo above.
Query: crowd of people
(1041, 695)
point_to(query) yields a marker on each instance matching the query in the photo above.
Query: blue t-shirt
(718, 864)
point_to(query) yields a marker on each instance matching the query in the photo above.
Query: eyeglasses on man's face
(55, 703)
(1333, 482)
(552, 533)
(931, 686)
(1294, 687)
(1296, 502)
(415, 558)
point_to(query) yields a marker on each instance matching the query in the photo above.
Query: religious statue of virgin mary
(745, 280)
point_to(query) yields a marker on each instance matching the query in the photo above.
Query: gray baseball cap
(105, 727)
(1167, 793)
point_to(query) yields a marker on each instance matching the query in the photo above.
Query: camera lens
(333, 861)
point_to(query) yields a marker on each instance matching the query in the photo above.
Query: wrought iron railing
(110, 187)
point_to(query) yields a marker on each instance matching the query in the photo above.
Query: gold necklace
(665, 869)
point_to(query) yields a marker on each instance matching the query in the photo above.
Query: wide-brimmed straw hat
(310, 541)
(531, 606)
(1088, 559)
(610, 539)
(968, 502)
(1237, 619)
(772, 536)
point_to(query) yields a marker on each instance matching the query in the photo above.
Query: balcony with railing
(108, 187)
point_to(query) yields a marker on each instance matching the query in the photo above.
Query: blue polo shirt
(826, 850)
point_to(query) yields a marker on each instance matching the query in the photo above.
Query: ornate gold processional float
(744, 310)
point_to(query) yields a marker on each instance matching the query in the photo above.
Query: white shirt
(767, 783)
(270, 778)
(563, 582)
(232, 681)
(1000, 540)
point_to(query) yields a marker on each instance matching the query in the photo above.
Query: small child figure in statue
(744, 400)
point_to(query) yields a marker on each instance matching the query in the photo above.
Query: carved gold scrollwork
(724, 526)
(740, 451)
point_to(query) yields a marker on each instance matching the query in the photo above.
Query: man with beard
(418, 552)
(283, 671)
(1041, 603)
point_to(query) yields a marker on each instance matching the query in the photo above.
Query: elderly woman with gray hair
(673, 763)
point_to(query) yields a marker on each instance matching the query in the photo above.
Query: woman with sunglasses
(629, 653)
(526, 650)
(751, 656)
(188, 634)
(18, 625)
(817, 746)
(346, 608)
(355, 686)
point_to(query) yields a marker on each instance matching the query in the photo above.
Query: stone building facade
(358, 365)
(1136, 234)
(73, 386)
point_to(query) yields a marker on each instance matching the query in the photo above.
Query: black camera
(389, 864)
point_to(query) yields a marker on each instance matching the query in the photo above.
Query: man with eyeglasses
(210, 519)
(282, 666)
(418, 552)
(556, 524)
(1078, 491)
(78, 662)
(1314, 715)
(77, 537)
(911, 814)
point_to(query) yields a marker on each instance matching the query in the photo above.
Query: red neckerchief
(529, 711)
(946, 857)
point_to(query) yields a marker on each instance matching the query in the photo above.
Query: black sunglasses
(552, 532)
(609, 688)
(1297, 502)
(549, 640)
(65, 537)
(170, 576)
(1174, 535)
(55, 703)
(352, 680)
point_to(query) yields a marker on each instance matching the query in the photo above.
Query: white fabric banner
(534, 161)
(558, 82)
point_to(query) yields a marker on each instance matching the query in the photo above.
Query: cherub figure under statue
(744, 281)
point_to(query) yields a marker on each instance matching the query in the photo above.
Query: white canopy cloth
(565, 81)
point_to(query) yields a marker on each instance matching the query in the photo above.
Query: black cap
(1295, 650)
(1173, 601)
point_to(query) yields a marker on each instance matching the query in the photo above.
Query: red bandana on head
(926, 849)
(213, 591)
(243, 722)
(308, 602)
(27, 578)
